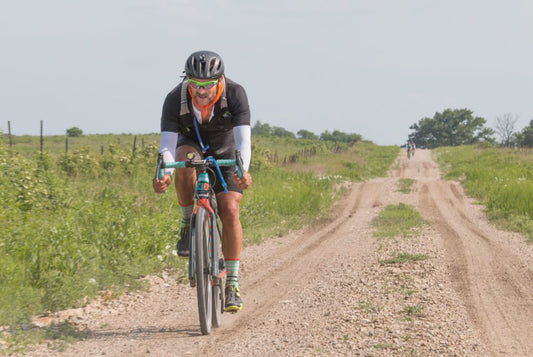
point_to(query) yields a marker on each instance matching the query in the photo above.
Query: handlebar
(207, 162)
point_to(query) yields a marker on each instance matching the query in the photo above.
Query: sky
(358, 66)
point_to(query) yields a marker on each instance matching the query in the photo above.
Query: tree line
(264, 129)
(453, 127)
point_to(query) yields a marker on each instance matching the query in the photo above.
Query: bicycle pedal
(221, 264)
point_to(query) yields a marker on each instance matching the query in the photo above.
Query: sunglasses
(205, 85)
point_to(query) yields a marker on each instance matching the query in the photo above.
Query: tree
(281, 132)
(261, 129)
(266, 130)
(452, 127)
(339, 136)
(525, 137)
(74, 131)
(505, 128)
(306, 134)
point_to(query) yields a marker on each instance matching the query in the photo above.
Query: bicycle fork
(218, 270)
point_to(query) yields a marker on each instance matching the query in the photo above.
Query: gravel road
(322, 291)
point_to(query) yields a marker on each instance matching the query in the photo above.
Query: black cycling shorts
(227, 171)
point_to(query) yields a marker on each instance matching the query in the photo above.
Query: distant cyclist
(413, 147)
(208, 114)
(409, 149)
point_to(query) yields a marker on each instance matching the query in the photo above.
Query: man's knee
(228, 208)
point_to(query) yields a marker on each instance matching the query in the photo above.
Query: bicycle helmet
(204, 65)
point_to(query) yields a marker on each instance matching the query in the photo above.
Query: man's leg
(232, 237)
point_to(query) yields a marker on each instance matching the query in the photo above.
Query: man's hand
(244, 182)
(160, 186)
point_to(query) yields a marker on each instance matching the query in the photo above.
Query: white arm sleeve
(243, 143)
(169, 141)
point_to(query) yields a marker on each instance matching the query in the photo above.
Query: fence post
(41, 139)
(134, 142)
(9, 138)
(66, 144)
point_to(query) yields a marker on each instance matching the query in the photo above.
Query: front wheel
(203, 268)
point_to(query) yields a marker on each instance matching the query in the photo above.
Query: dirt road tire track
(305, 250)
(493, 281)
(322, 291)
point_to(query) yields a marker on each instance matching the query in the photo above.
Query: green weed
(412, 311)
(397, 220)
(368, 306)
(401, 258)
(406, 185)
(386, 346)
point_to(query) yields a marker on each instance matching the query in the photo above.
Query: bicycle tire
(218, 291)
(192, 252)
(203, 269)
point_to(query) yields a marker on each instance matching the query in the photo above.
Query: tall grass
(502, 179)
(69, 234)
(282, 201)
(76, 223)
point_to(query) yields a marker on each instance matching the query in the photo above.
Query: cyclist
(409, 148)
(208, 114)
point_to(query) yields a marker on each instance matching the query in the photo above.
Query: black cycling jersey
(218, 133)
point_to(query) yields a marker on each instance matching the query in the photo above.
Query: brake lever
(239, 164)
(160, 165)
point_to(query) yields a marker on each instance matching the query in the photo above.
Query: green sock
(186, 213)
(232, 272)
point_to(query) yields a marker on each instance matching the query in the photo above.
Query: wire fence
(99, 143)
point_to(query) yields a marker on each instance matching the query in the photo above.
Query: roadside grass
(405, 185)
(68, 237)
(501, 179)
(79, 223)
(58, 337)
(397, 220)
(357, 162)
(283, 201)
